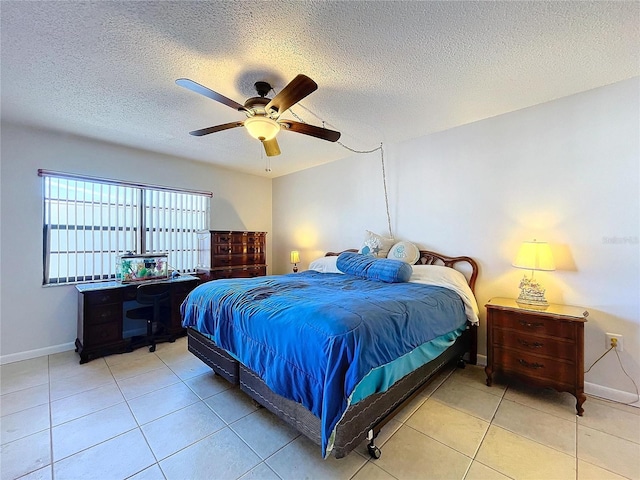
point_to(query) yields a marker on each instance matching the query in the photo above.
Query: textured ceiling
(387, 71)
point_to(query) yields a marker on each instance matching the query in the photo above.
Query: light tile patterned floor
(163, 415)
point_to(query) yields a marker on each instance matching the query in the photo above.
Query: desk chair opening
(157, 313)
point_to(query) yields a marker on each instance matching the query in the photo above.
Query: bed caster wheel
(374, 452)
(152, 348)
(461, 363)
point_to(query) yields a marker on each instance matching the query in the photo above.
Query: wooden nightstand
(544, 347)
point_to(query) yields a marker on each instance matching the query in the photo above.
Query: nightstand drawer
(552, 370)
(538, 345)
(534, 324)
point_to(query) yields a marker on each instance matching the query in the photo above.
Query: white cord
(384, 174)
(622, 367)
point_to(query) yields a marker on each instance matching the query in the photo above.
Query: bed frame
(363, 420)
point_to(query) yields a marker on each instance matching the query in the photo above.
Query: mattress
(312, 338)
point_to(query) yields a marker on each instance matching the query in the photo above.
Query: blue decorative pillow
(380, 269)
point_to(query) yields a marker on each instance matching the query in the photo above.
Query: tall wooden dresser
(231, 254)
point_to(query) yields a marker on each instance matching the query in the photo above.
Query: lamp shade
(295, 256)
(261, 127)
(535, 256)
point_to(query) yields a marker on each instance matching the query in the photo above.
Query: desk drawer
(103, 313)
(102, 333)
(537, 345)
(103, 296)
(534, 325)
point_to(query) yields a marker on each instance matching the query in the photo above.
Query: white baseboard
(607, 393)
(618, 396)
(39, 352)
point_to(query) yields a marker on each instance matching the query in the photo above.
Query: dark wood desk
(101, 314)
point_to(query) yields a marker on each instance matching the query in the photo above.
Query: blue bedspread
(313, 336)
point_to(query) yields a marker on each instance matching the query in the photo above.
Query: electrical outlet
(614, 338)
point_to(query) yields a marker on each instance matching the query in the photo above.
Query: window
(89, 221)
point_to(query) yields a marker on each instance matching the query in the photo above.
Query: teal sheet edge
(380, 379)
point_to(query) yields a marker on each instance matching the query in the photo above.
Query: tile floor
(163, 415)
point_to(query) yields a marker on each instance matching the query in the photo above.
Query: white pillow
(325, 265)
(449, 278)
(405, 252)
(375, 245)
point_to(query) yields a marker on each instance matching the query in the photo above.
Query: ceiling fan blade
(207, 92)
(271, 147)
(312, 130)
(296, 90)
(217, 128)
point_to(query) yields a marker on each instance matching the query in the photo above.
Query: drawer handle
(225, 239)
(526, 364)
(524, 343)
(531, 325)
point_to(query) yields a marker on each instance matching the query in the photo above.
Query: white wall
(38, 320)
(567, 172)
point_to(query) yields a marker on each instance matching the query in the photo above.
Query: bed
(337, 355)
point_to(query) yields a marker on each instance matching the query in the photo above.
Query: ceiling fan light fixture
(262, 128)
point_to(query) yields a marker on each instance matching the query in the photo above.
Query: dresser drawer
(552, 370)
(226, 237)
(535, 325)
(103, 314)
(237, 237)
(247, 272)
(538, 345)
(237, 260)
(236, 249)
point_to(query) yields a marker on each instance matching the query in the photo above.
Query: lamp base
(532, 293)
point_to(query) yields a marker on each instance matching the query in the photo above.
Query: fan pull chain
(267, 165)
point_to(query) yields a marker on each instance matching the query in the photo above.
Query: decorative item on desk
(295, 259)
(533, 256)
(133, 267)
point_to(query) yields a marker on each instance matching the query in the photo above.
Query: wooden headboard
(428, 257)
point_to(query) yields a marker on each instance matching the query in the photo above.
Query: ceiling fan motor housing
(263, 88)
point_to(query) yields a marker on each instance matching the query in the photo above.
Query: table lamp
(295, 259)
(533, 256)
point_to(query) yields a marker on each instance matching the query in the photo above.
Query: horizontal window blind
(89, 222)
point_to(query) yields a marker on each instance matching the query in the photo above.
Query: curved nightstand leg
(580, 399)
(489, 371)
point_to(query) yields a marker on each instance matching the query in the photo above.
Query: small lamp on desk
(533, 256)
(295, 259)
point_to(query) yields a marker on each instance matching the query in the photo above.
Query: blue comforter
(312, 337)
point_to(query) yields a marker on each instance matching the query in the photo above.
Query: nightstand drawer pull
(526, 364)
(531, 325)
(524, 343)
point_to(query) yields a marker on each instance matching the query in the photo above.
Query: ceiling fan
(263, 114)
